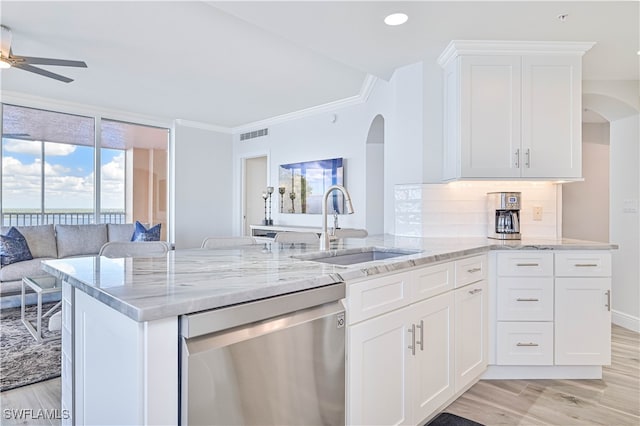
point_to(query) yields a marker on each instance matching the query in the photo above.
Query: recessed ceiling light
(563, 17)
(396, 19)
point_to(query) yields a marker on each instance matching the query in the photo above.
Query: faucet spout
(324, 238)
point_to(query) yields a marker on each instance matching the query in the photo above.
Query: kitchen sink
(353, 256)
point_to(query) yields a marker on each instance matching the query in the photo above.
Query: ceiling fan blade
(43, 72)
(5, 41)
(50, 61)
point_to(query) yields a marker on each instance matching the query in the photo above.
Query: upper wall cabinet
(512, 109)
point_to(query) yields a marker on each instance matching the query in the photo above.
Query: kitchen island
(121, 316)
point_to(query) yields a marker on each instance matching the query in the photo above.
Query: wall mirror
(302, 185)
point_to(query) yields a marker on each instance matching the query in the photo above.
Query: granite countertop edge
(153, 307)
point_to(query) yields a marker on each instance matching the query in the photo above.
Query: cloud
(34, 148)
(21, 185)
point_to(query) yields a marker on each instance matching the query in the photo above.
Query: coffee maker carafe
(504, 215)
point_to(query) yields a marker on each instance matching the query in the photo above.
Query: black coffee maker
(503, 215)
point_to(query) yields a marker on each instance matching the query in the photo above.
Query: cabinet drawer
(377, 296)
(583, 264)
(431, 281)
(530, 264)
(525, 299)
(524, 343)
(470, 270)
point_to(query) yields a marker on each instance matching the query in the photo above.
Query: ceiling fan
(8, 59)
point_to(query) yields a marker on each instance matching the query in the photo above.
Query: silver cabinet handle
(475, 290)
(527, 299)
(412, 346)
(527, 264)
(474, 270)
(517, 157)
(585, 265)
(421, 342)
(527, 161)
(527, 344)
(608, 305)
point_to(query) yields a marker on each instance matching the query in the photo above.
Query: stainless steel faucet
(324, 238)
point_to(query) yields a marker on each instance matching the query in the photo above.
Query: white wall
(315, 137)
(203, 174)
(625, 223)
(585, 205)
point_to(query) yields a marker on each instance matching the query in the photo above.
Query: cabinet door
(583, 321)
(432, 375)
(377, 370)
(551, 116)
(471, 341)
(490, 103)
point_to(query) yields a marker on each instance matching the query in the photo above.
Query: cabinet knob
(608, 305)
(527, 264)
(474, 270)
(517, 159)
(421, 342)
(585, 265)
(527, 344)
(527, 299)
(475, 290)
(527, 156)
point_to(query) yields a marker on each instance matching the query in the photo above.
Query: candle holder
(292, 195)
(282, 190)
(265, 196)
(269, 191)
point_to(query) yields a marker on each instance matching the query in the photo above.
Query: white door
(432, 374)
(490, 103)
(471, 340)
(551, 116)
(583, 321)
(255, 183)
(377, 370)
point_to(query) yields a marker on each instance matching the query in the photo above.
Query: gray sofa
(54, 242)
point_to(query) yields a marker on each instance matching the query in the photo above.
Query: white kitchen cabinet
(413, 341)
(524, 308)
(512, 109)
(471, 341)
(377, 370)
(400, 364)
(583, 321)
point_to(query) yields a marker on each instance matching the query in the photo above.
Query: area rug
(448, 419)
(24, 361)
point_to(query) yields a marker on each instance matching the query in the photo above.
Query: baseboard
(505, 372)
(625, 320)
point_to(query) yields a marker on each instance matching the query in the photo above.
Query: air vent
(254, 134)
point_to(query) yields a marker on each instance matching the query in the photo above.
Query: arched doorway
(623, 199)
(375, 177)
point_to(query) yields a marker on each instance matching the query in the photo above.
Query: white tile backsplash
(460, 208)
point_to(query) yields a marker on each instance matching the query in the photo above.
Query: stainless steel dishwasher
(276, 361)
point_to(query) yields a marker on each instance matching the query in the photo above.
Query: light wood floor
(612, 401)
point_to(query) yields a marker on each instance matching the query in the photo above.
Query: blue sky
(68, 176)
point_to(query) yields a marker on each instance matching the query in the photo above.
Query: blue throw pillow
(143, 234)
(13, 248)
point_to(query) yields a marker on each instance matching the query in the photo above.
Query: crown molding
(507, 47)
(362, 96)
(203, 126)
(32, 101)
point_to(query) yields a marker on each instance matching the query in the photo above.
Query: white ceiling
(236, 62)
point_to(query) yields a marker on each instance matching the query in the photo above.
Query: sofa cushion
(28, 268)
(120, 231)
(78, 240)
(40, 238)
(13, 248)
(143, 234)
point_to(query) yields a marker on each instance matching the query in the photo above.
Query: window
(48, 173)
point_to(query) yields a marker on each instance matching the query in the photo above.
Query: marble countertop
(192, 280)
